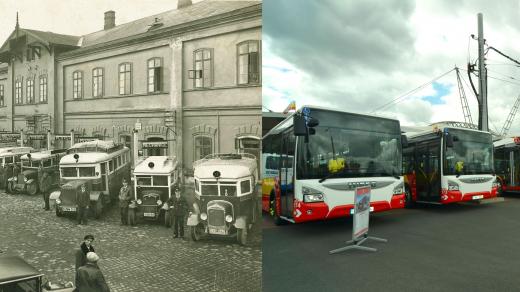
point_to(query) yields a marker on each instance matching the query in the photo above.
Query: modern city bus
(316, 158)
(507, 164)
(450, 162)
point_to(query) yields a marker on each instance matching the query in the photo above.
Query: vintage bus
(315, 159)
(103, 163)
(9, 156)
(507, 164)
(450, 162)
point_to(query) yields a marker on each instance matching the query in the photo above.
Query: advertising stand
(360, 226)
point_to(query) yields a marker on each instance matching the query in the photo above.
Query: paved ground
(141, 258)
(431, 248)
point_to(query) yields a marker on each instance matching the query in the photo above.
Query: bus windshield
(473, 149)
(370, 147)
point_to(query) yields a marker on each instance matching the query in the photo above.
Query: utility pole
(482, 76)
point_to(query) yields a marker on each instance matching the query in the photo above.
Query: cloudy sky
(359, 55)
(74, 17)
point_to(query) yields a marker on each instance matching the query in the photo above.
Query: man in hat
(180, 209)
(84, 248)
(125, 195)
(89, 277)
(83, 201)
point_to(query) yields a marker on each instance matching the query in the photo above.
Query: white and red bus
(314, 160)
(507, 164)
(448, 163)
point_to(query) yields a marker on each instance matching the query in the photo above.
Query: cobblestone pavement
(141, 258)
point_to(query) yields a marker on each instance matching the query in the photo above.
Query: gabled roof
(45, 37)
(168, 19)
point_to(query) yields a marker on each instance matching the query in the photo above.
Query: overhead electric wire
(503, 55)
(402, 97)
(508, 76)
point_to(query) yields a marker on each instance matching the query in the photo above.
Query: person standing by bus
(125, 195)
(42, 176)
(180, 209)
(83, 201)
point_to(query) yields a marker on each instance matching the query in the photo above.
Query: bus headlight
(398, 190)
(159, 202)
(139, 201)
(495, 184)
(204, 216)
(452, 186)
(25, 179)
(15, 179)
(58, 201)
(311, 195)
(229, 218)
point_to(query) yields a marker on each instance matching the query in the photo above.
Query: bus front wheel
(242, 236)
(32, 189)
(131, 217)
(272, 211)
(167, 218)
(99, 208)
(408, 201)
(194, 232)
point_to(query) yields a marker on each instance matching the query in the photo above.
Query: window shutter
(158, 78)
(253, 67)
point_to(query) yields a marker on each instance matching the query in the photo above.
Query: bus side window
(119, 161)
(111, 165)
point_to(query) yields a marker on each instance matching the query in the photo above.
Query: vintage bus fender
(193, 219)
(52, 198)
(11, 178)
(94, 196)
(30, 181)
(240, 222)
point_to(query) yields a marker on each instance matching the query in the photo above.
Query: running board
(287, 219)
(427, 202)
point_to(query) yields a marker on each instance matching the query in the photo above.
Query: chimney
(183, 3)
(110, 19)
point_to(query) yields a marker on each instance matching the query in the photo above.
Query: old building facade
(186, 82)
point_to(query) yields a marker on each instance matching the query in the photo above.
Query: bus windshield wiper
(327, 176)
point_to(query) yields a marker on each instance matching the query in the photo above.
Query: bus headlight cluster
(452, 186)
(311, 195)
(495, 184)
(58, 201)
(229, 218)
(204, 216)
(139, 201)
(25, 179)
(398, 190)
(159, 202)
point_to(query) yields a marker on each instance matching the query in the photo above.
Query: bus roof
(230, 166)
(508, 142)
(5, 151)
(95, 146)
(90, 157)
(156, 165)
(42, 154)
(288, 121)
(412, 132)
(14, 268)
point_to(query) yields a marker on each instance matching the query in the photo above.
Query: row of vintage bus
(224, 184)
(313, 161)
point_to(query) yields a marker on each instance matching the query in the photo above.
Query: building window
(203, 147)
(77, 85)
(2, 95)
(248, 62)
(154, 75)
(125, 78)
(202, 76)
(97, 82)
(18, 92)
(43, 89)
(30, 90)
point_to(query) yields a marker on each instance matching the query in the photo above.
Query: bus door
(428, 180)
(104, 180)
(286, 175)
(514, 160)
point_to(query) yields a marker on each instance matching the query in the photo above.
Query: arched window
(30, 90)
(43, 89)
(248, 56)
(77, 85)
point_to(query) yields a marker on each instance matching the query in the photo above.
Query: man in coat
(89, 277)
(180, 209)
(42, 177)
(125, 195)
(83, 201)
(84, 248)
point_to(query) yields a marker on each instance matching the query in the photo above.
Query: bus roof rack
(455, 124)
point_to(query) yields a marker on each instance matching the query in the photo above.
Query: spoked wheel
(99, 208)
(32, 189)
(242, 235)
(195, 232)
(168, 218)
(408, 202)
(58, 213)
(10, 187)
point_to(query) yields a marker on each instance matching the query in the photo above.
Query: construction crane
(510, 118)
(463, 100)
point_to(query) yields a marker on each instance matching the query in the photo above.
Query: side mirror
(299, 125)
(449, 140)
(404, 141)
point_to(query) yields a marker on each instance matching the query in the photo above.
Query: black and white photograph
(130, 144)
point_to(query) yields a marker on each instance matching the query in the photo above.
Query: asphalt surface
(141, 258)
(460, 247)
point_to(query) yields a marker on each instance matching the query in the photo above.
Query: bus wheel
(32, 189)
(10, 187)
(499, 188)
(58, 213)
(168, 218)
(408, 202)
(131, 217)
(194, 232)
(99, 208)
(242, 236)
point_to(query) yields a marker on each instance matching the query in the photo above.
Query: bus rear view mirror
(312, 122)
(300, 127)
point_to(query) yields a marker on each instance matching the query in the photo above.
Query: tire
(272, 210)
(194, 233)
(99, 208)
(499, 188)
(408, 201)
(9, 187)
(32, 189)
(168, 218)
(58, 213)
(131, 217)
(242, 236)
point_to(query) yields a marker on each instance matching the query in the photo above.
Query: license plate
(71, 209)
(149, 214)
(352, 210)
(217, 231)
(478, 197)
